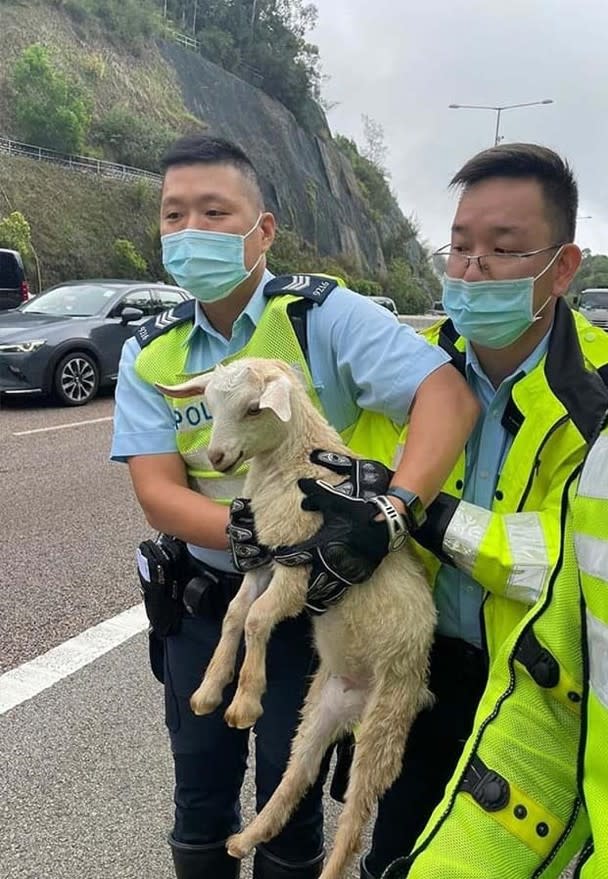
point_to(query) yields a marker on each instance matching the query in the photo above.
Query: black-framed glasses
(493, 264)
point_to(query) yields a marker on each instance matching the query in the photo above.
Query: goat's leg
(220, 670)
(285, 597)
(327, 711)
(377, 761)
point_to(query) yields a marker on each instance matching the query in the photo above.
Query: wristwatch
(415, 513)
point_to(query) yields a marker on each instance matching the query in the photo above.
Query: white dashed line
(27, 680)
(63, 426)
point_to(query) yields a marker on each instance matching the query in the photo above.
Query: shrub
(15, 234)
(128, 262)
(50, 110)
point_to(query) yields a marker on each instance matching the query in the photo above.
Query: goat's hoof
(237, 847)
(205, 700)
(243, 712)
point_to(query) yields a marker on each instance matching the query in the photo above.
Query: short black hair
(194, 149)
(521, 160)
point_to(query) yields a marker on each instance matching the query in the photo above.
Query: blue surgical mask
(492, 313)
(210, 265)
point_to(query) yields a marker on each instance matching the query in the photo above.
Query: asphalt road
(85, 772)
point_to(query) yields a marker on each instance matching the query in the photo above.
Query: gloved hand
(351, 542)
(247, 552)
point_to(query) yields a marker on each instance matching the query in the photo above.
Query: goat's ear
(277, 396)
(192, 388)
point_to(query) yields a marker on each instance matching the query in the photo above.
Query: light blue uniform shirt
(361, 357)
(458, 597)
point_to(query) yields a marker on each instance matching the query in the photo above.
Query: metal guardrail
(184, 39)
(78, 163)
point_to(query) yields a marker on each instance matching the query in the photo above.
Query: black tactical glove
(351, 543)
(247, 552)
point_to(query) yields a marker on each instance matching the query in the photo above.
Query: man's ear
(277, 396)
(567, 265)
(192, 388)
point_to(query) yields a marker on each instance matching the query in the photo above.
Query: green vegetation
(75, 220)
(50, 109)
(15, 234)
(128, 262)
(91, 95)
(262, 41)
(592, 273)
(131, 140)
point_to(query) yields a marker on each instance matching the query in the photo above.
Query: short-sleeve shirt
(360, 356)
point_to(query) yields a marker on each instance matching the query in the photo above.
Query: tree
(592, 273)
(50, 110)
(132, 140)
(128, 262)
(15, 234)
(375, 149)
(408, 293)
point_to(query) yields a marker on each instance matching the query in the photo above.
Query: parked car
(385, 302)
(66, 342)
(593, 303)
(14, 289)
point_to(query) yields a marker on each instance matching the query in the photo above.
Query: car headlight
(22, 347)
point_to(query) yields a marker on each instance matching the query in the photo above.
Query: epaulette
(315, 288)
(161, 323)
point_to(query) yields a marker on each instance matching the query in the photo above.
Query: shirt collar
(531, 362)
(252, 312)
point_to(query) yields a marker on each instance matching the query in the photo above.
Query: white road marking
(27, 680)
(63, 426)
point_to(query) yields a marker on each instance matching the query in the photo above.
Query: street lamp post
(498, 111)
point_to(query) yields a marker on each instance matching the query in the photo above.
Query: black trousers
(436, 741)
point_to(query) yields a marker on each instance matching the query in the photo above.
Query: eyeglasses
(494, 265)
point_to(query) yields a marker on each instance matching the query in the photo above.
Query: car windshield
(597, 299)
(72, 300)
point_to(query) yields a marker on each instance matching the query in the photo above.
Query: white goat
(373, 644)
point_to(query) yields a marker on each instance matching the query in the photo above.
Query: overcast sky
(402, 63)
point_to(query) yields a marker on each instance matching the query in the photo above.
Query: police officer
(494, 542)
(590, 515)
(357, 358)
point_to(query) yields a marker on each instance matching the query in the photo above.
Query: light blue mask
(210, 265)
(492, 313)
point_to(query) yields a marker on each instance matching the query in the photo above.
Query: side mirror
(130, 314)
(576, 301)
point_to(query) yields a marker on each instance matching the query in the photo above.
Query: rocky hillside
(308, 181)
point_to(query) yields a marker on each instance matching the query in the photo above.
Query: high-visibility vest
(590, 513)
(512, 809)
(163, 359)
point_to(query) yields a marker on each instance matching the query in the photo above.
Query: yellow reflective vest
(280, 334)
(590, 514)
(512, 809)
(512, 550)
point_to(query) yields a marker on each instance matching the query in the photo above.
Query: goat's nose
(216, 456)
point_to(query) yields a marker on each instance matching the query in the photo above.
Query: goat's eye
(254, 409)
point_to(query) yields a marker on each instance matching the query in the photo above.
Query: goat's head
(251, 404)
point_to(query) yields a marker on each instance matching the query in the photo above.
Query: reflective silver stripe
(592, 555)
(465, 533)
(398, 454)
(223, 488)
(594, 478)
(597, 640)
(529, 558)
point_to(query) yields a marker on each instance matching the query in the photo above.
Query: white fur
(373, 645)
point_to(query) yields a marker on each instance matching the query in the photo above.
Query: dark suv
(14, 288)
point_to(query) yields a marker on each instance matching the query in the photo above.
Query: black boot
(267, 866)
(203, 861)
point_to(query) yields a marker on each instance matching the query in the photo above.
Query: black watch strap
(414, 508)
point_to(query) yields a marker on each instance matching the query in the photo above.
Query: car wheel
(76, 379)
